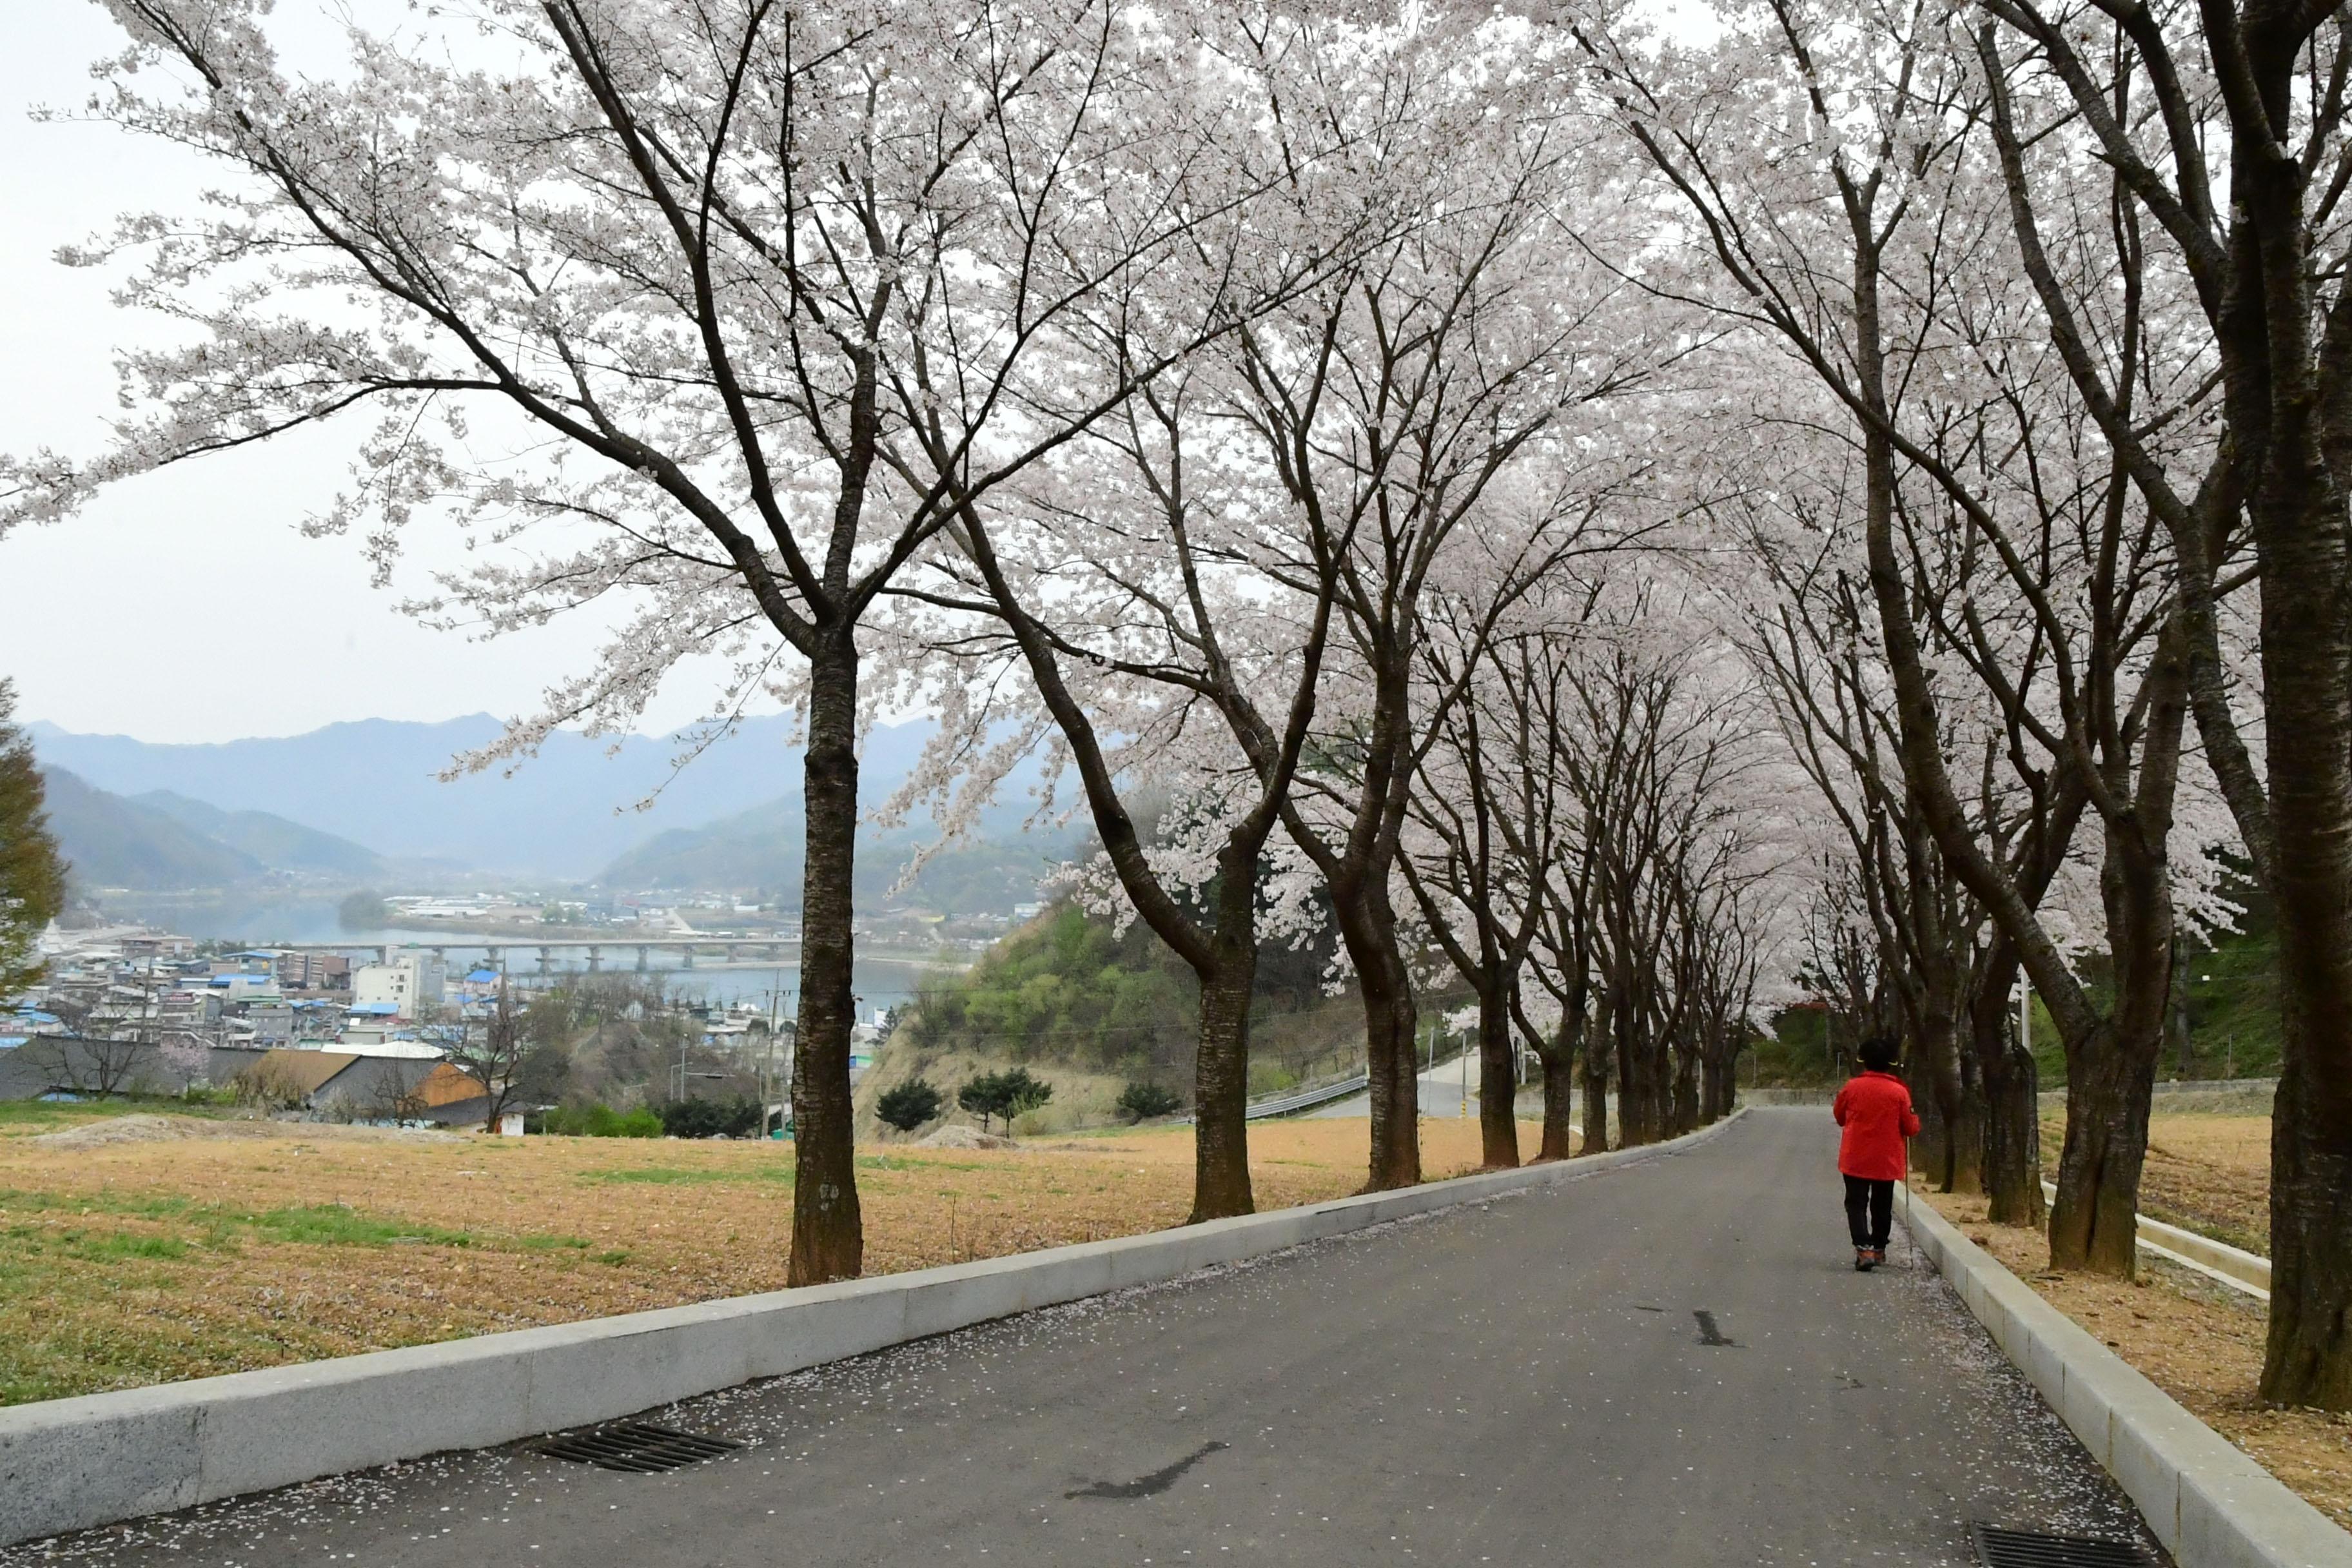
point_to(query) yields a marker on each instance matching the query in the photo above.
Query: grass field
(249, 1245)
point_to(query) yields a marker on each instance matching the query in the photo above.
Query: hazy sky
(185, 607)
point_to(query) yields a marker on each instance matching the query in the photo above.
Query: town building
(410, 982)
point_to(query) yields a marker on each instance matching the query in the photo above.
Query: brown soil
(2198, 1341)
(147, 1261)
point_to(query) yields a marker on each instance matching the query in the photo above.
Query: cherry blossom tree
(700, 315)
(2225, 131)
(1813, 138)
(1459, 415)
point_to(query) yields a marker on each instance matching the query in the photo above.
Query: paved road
(1518, 1381)
(1441, 1094)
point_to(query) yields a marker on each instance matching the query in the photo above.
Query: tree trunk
(1924, 1151)
(1685, 1096)
(1221, 1174)
(2093, 1225)
(1940, 1062)
(1596, 1084)
(1720, 1088)
(2110, 1071)
(2012, 1111)
(1368, 927)
(2288, 395)
(1559, 1058)
(1640, 1099)
(1968, 1128)
(828, 1233)
(1498, 1087)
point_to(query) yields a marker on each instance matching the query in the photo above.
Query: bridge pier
(686, 952)
(595, 959)
(495, 958)
(641, 958)
(542, 960)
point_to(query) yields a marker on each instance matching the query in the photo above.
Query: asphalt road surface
(1440, 1094)
(1671, 1362)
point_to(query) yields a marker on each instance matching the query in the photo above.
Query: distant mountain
(562, 814)
(760, 850)
(111, 842)
(275, 842)
(565, 814)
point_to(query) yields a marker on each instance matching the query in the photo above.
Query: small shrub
(1005, 1095)
(599, 1120)
(735, 1116)
(909, 1105)
(1141, 1100)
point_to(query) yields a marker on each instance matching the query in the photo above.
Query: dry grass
(146, 1262)
(2206, 1172)
(2210, 1174)
(2199, 1341)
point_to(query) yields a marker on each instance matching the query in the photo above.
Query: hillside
(1070, 990)
(111, 842)
(275, 842)
(162, 842)
(760, 849)
(2227, 1009)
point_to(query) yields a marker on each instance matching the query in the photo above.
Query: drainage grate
(635, 1445)
(1998, 1548)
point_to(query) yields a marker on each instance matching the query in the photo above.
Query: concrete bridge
(685, 949)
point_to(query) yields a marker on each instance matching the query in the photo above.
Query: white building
(411, 981)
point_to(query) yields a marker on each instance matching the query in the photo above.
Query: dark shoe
(1864, 1260)
(1877, 1254)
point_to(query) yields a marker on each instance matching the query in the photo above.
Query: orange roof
(444, 1085)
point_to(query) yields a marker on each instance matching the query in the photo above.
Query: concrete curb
(70, 1464)
(2205, 1498)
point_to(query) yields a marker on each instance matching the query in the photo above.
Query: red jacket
(1875, 1108)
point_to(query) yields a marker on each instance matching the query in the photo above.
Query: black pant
(1869, 1211)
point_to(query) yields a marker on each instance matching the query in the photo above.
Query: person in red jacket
(1875, 1108)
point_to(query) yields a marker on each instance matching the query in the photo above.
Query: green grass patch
(120, 1244)
(217, 1228)
(551, 1243)
(336, 1225)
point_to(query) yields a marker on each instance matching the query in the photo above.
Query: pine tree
(31, 876)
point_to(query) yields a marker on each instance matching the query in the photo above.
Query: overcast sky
(185, 607)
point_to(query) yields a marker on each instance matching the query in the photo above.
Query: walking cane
(1908, 1234)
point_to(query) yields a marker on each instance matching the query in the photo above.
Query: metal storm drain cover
(635, 1445)
(1998, 1548)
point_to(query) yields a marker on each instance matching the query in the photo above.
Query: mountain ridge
(568, 813)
